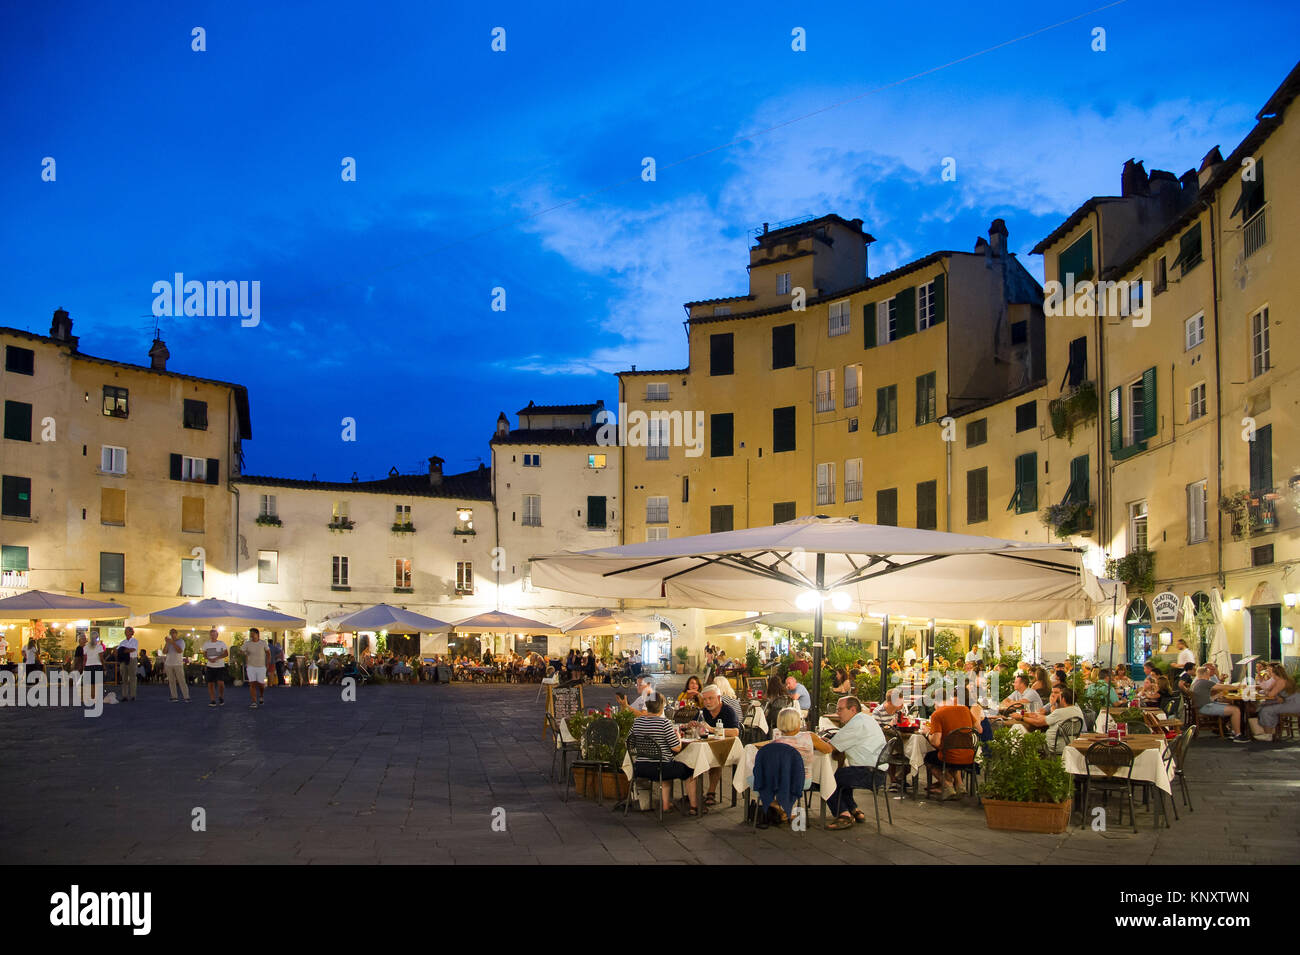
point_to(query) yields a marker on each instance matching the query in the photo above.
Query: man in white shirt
(174, 665)
(909, 656)
(215, 653)
(4, 649)
(256, 654)
(645, 687)
(1185, 654)
(1024, 694)
(129, 667)
(972, 655)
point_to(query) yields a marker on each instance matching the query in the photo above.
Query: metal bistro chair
(1089, 718)
(1179, 749)
(562, 750)
(686, 714)
(1067, 731)
(647, 751)
(600, 736)
(897, 759)
(962, 740)
(1110, 756)
(880, 778)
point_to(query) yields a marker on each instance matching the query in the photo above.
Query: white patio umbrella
(497, 621)
(810, 563)
(43, 605)
(223, 613)
(1219, 654)
(385, 617)
(605, 623)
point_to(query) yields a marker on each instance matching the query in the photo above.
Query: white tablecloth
(823, 771)
(759, 719)
(699, 755)
(1148, 766)
(915, 746)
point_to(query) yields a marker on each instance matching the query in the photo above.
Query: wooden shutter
(869, 325)
(1078, 368)
(721, 427)
(213, 467)
(783, 352)
(783, 430)
(905, 320)
(939, 300)
(1116, 426)
(1150, 419)
(1080, 490)
(18, 421)
(176, 467)
(192, 514)
(595, 511)
(1261, 460)
(112, 505)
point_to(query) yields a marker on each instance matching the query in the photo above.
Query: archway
(1138, 631)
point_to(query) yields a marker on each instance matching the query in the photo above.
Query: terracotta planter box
(585, 781)
(1027, 816)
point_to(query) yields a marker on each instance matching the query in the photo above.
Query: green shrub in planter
(1016, 770)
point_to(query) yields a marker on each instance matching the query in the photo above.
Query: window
(1079, 490)
(656, 534)
(1194, 331)
(192, 514)
(887, 507)
(112, 460)
(401, 573)
(596, 461)
(112, 573)
(16, 496)
(852, 385)
(1189, 249)
(1137, 526)
(532, 460)
(1162, 276)
(1130, 427)
(719, 310)
(1260, 359)
(1198, 521)
(1261, 461)
(20, 361)
(1077, 370)
(268, 566)
(721, 518)
(927, 505)
(853, 425)
(339, 577)
(925, 302)
(782, 283)
(14, 569)
(686, 488)
(191, 577)
(401, 515)
(839, 318)
(596, 512)
(1261, 556)
(464, 577)
(18, 421)
(853, 480)
(925, 399)
(657, 436)
(656, 391)
(887, 321)
(977, 432)
(1025, 497)
(826, 390)
(266, 505)
(1196, 402)
(886, 410)
(1136, 411)
(1251, 199)
(532, 510)
(782, 511)
(196, 414)
(464, 520)
(1136, 297)
(826, 483)
(783, 346)
(1026, 416)
(115, 402)
(720, 432)
(722, 354)
(185, 468)
(783, 429)
(656, 510)
(112, 506)
(1075, 263)
(977, 496)
(1019, 333)
(339, 512)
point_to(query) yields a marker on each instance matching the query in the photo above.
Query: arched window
(1139, 612)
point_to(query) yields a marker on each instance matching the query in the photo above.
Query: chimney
(158, 355)
(1133, 180)
(998, 237)
(1191, 184)
(435, 471)
(503, 425)
(764, 228)
(61, 328)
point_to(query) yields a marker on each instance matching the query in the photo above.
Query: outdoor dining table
(1104, 719)
(823, 773)
(701, 755)
(1149, 765)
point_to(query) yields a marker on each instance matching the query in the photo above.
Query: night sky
(522, 170)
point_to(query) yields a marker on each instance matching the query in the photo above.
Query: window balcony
(656, 515)
(1254, 232)
(1252, 512)
(825, 494)
(656, 452)
(852, 492)
(15, 578)
(269, 520)
(341, 524)
(825, 401)
(403, 527)
(850, 397)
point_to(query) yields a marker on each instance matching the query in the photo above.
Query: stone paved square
(412, 774)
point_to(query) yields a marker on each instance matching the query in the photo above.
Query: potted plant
(615, 783)
(1067, 518)
(1024, 789)
(1075, 408)
(1238, 506)
(681, 655)
(268, 520)
(1137, 570)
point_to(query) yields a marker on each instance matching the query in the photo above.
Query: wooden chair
(1208, 721)
(1288, 723)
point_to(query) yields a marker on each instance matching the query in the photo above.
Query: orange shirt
(946, 719)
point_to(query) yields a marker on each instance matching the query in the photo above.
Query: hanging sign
(1166, 606)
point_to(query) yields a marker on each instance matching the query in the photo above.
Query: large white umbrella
(605, 623)
(43, 605)
(496, 621)
(385, 617)
(223, 613)
(1219, 654)
(816, 563)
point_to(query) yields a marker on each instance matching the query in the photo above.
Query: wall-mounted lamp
(1288, 635)
(1235, 604)
(1289, 599)
(1166, 637)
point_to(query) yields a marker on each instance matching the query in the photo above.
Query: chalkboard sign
(757, 686)
(444, 674)
(566, 701)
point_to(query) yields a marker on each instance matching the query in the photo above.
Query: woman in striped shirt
(652, 730)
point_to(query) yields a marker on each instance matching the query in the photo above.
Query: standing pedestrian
(277, 655)
(95, 660)
(174, 666)
(31, 657)
(256, 655)
(215, 653)
(126, 657)
(4, 650)
(79, 655)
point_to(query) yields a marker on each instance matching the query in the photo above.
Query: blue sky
(376, 294)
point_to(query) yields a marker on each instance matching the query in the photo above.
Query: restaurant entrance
(1139, 632)
(657, 649)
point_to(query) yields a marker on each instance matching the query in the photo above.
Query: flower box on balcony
(269, 520)
(403, 528)
(342, 524)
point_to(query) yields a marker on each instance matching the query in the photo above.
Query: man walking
(277, 658)
(215, 654)
(128, 660)
(256, 655)
(174, 666)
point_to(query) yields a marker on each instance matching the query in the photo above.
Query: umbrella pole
(884, 656)
(815, 710)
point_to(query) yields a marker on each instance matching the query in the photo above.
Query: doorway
(1266, 631)
(1138, 629)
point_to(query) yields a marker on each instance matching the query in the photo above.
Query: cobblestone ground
(412, 774)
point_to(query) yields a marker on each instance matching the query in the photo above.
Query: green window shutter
(1076, 260)
(906, 302)
(1150, 420)
(869, 325)
(1079, 479)
(1116, 429)
(13, 558)
(939, 299)
(882, 411)
(1026, 483)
